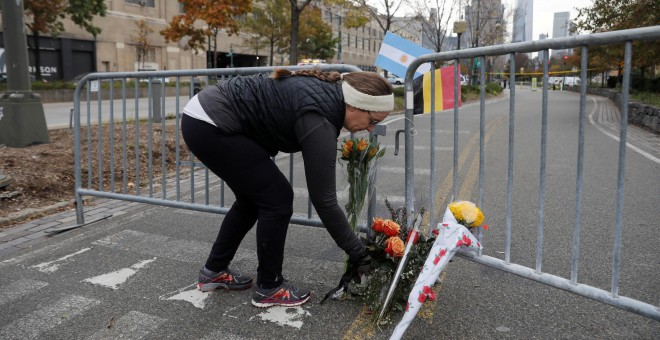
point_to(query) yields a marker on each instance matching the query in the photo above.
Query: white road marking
(616, 138)
(285, 316)
(195, 296)
(114, 279)
(39, 321)
(18, 289)
(49, 267)
(226, 313)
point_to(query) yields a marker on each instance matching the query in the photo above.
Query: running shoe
(285, 295)
(226, 279)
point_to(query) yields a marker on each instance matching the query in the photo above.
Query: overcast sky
(544, 13)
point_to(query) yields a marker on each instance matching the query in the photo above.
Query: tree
(435, 16)
(47, 18)
(486, 22)
(216, 15)
(296, 8)
(612, 15)
(270, 21)
(356, 15)
(141, 41)
(316, 40)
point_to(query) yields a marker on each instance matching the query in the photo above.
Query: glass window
(143, 3)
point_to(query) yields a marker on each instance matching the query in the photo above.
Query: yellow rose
(456, 211)
(479, 220)
(372, 152)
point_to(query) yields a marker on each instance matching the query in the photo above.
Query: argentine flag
(397, 53)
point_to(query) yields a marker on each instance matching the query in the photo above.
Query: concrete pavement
(130, 274)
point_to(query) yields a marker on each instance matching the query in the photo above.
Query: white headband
(365, 101)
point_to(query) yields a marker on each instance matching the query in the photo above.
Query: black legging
(262, 193)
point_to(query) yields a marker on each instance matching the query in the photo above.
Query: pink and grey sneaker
(226, 279)
(285, 295)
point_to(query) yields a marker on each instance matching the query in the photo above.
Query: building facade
(562, 26)
(523, 16)
(115, 49)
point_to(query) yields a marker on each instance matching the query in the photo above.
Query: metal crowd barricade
(584, 42)
(135, 91)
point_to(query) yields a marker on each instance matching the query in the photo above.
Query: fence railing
(122, 101)
(119, 151)
(583, 42)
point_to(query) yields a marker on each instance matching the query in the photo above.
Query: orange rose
(395, 246)
(362, 144)
(347, 148)
(372, 152)
(378, 224)
(391, 228)
(348, 144)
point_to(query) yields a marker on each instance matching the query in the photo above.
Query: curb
(33, 213)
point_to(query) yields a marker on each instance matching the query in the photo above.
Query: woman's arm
(319, 149)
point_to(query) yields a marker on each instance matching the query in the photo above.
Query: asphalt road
(132, 275)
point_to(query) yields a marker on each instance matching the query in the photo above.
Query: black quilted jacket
(267, 109)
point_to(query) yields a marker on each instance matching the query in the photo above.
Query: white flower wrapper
(452, 237)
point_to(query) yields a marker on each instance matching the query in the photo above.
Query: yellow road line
(428, 308)
(362, 327)
(471, 177)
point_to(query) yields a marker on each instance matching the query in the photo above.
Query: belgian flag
(443, 91)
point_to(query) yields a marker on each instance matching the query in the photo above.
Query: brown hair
(365, 82)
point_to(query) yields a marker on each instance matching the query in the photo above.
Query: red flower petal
(427, 290)
(432, 296)
(421, 298)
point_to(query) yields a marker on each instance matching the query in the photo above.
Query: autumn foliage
(203, 19)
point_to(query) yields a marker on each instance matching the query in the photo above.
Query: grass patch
(648, 98)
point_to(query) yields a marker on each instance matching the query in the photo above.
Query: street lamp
(459, 29)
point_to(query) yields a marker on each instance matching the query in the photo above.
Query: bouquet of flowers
(386, 248)
(453, 235)
(467, 214)
(358, 154)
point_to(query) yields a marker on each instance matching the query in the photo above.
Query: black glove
(352, 273)
(361, 268)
